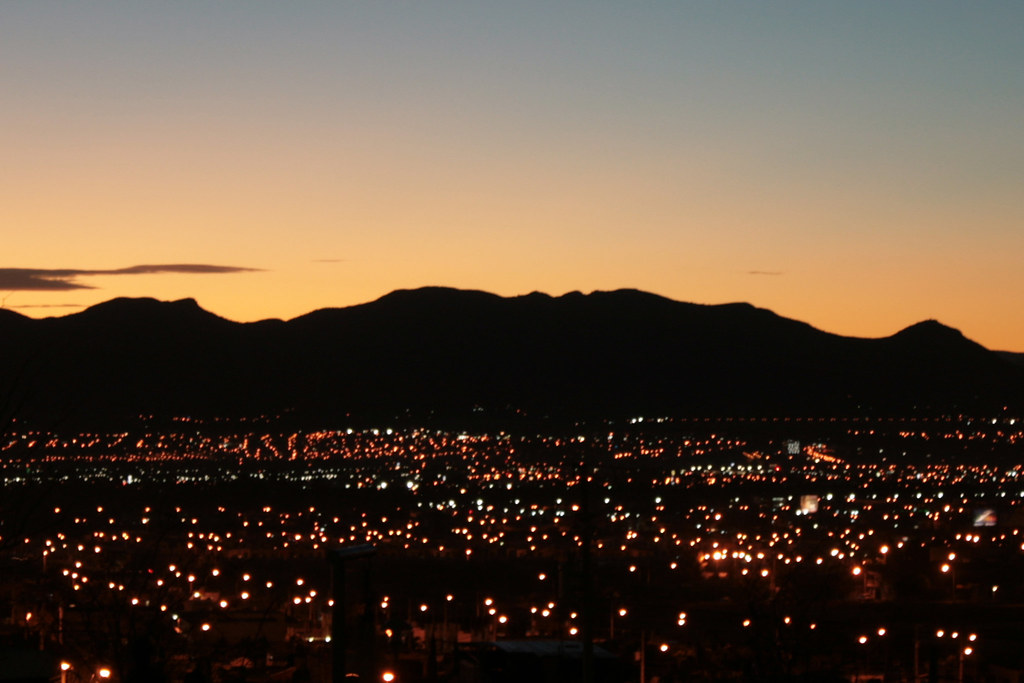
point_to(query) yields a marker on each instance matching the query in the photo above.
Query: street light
(622, 611)
(949, 568)
(965, 652)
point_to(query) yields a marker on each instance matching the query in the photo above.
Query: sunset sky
(857, 165)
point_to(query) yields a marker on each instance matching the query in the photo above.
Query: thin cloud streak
(764, 272)
(63, 279)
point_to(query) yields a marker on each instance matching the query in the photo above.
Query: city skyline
(852, 166)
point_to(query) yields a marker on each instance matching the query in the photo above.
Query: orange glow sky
(854, 165)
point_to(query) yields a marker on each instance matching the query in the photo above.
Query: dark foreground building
(538, 661)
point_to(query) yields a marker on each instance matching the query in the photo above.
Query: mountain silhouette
(446, 352)
(1013, 357)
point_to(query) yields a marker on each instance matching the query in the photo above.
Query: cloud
(173, 268)
(64, 279)
(27, 279)
(764, 272)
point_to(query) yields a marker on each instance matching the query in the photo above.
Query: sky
(856, 165)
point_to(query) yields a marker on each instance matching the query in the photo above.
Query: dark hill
(9, 317)
(446, 352)
(1015, 358)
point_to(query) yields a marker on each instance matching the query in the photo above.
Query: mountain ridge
(443, 351)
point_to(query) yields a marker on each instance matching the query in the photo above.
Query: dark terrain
(447, 354)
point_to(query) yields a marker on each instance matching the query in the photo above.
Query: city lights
(662, 537)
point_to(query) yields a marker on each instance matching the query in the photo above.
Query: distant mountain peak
(930, 328)
(141, 302)
(8, 314)
(435, 294)
(128, 308)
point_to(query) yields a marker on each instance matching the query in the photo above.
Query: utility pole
(917, 653)
(643, 656)
(586, 534)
